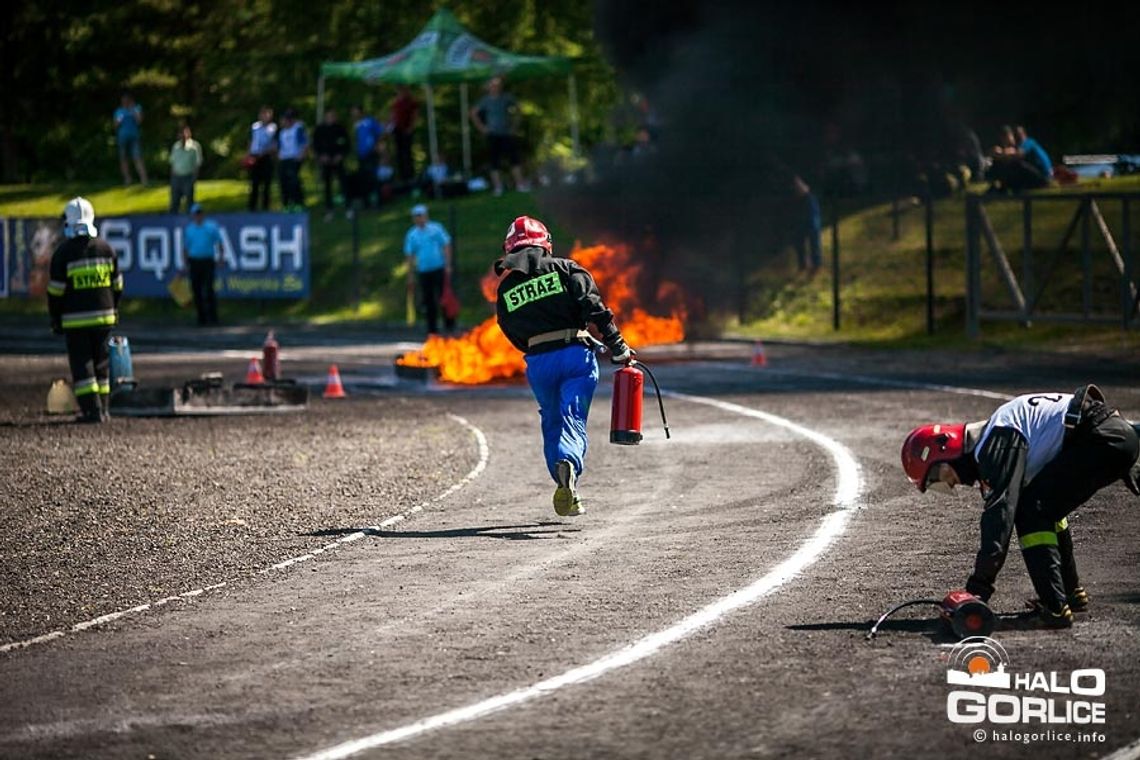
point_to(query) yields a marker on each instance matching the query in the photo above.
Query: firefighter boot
(90, 409)
(566, 501)
(1042, 618)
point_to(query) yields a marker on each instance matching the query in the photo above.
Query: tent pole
(320, 99)
(433, 143)
(433, 146)
(573, 114)
(465, 121)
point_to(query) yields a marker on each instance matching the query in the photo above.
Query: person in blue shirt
(1018, 163)
(292, 150)
(201, 243)
(427, 247)
(128, 116)
(1032, 152)
(368, 133)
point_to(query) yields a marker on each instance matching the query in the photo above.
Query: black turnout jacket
(540, 293)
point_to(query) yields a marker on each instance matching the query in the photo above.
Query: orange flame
(484, 354)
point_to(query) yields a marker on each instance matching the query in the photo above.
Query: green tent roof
(445, 52)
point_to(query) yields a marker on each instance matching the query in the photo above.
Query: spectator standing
(807, 227)
(368, 133)
(83, 300)
(202, 242)
(495, 115)
(185, 161)
(427, 247)
(330, 143)
(405, 111)
(292, 148)
(128, 134)
(262, 149)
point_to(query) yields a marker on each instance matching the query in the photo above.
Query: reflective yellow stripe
(104, 387)
(1063, 525)
(1041, 538)
(88, 319)
(86, 387)
(56, 288)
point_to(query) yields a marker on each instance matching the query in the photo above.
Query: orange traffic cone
(253, 374)
(333, 388)
(759, 358)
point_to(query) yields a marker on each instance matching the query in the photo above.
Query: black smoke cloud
(747, 95)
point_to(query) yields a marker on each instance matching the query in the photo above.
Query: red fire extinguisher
(965, 614)
(270, 362)
(625, 417)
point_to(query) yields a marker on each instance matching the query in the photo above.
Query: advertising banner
(264, 255)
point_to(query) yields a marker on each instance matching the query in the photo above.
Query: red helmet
(527, 231)
(928, 445)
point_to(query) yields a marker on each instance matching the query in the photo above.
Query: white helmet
(79, 218)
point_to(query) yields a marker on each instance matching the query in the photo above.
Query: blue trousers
(563, 382)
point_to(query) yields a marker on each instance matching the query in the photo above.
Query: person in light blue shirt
(292, 149)
(128, 116)
(427, 247)
(201, 243)
(1032, 152)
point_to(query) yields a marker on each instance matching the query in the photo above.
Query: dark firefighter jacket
(1001, 468)
(541, 293)
(84, 285)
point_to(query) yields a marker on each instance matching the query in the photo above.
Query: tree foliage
(213, 63)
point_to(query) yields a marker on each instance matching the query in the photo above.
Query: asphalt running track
(670, 621)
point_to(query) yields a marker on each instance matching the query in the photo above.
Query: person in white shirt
(292, 149)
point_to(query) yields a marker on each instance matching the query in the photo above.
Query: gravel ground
(97, 518)
(486, 592)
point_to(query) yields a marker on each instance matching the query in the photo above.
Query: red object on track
(967, 615)
(270, 361)
(253, 374)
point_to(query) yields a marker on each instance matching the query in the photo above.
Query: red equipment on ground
(967, 615)
(270, 361)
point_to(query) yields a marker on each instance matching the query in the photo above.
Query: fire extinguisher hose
(912, 603)
(657, 389)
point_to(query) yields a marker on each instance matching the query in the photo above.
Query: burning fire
(484, 354)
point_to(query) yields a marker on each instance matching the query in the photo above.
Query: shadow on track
(529, 532)
(930, 628)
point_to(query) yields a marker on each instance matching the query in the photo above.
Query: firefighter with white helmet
(544, 305)
(83, 299)
(1036, 459)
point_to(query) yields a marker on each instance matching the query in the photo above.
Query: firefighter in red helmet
(544, 305)
(1036, 459)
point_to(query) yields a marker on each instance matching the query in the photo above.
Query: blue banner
(264, 255)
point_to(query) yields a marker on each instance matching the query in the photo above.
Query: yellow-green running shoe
(566, 501)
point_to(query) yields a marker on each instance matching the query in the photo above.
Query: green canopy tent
(444, 52)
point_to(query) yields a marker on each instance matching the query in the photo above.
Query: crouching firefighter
(1036, 459)
(83, 299)
(544, 305)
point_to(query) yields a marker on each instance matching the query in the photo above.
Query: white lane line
(848, 488)
(869, 380)
(1128, 752)
(476, 471)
